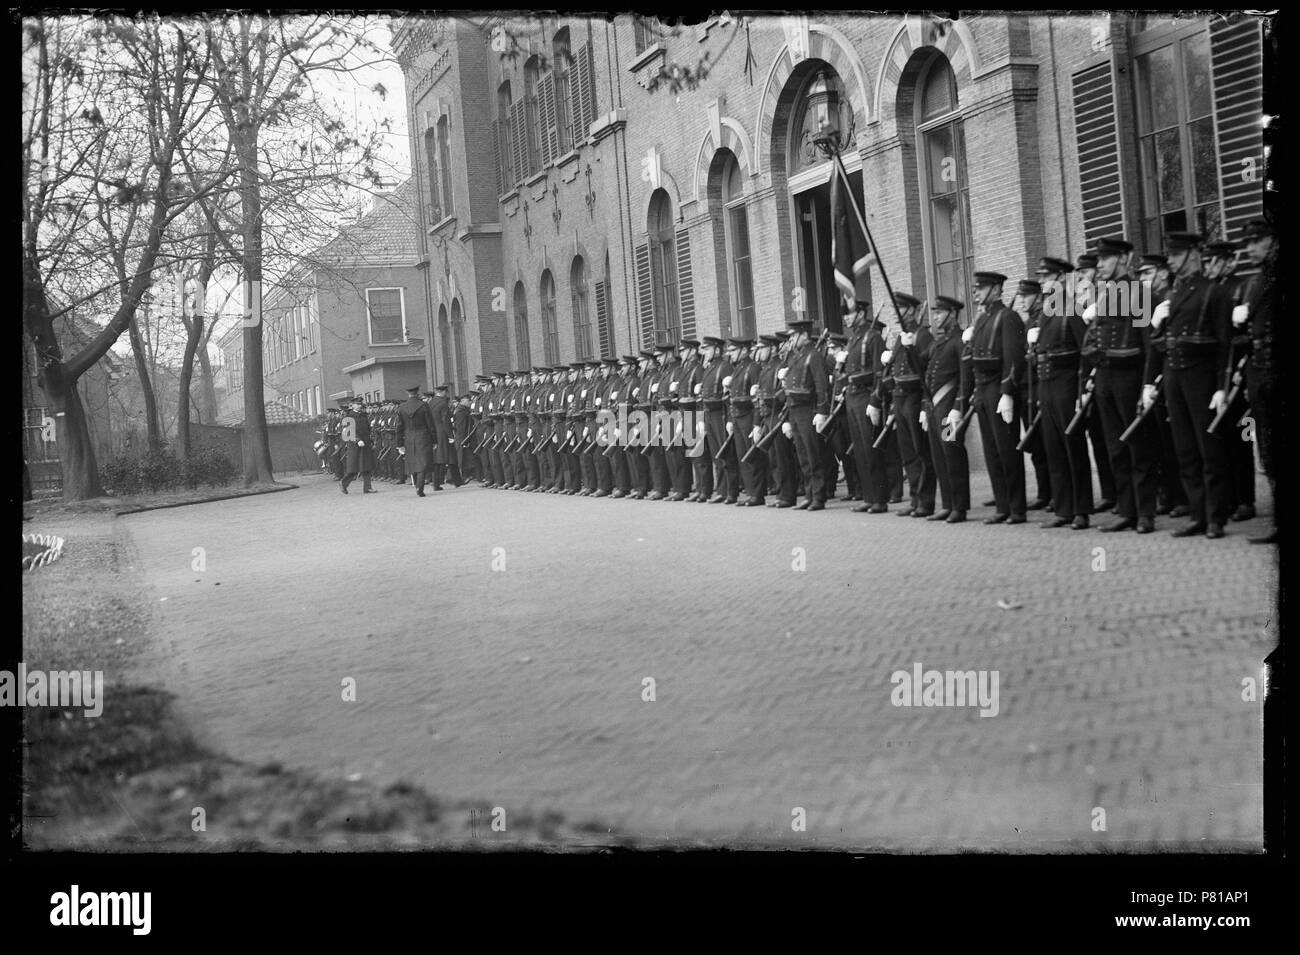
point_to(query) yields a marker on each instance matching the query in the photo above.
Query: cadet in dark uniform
(460, 427)
(772, 461)
(997, 352)
(1085, 276)
(742, 425)
(1055, 342)
(441, 414)
(1258, 312)
(415, 435)
(904, 369)
(662, 471)
(682, 387)
(1027, 303)
(807, 392)
(1221, 261)
(713, 397)
(862, 368)
(1195, 326)
(945, 406)
(359, 455)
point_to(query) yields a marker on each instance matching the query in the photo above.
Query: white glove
(698, 388)
(1032, 336)
(1090, 312)
(1006, 408)
(874, 414)
(753, 391)
(925, 424)
(841, 356)
(635, 392)
(361, 444)
(907, 338)
(672, 386)
(530, 432)
(780, 373)
(571, 397)
(726, 382)
(1160, 314)
(885, 356)
(1239, 314)
(401, 451)
(616, 434)
(1217, 400)
(755, 435)
(819, 421)
(613, 395)
(968, 334)
(568, 434)
(597, 402)
(1148, 396)
(731, 428)
(787, 429)
(655, 386)
(954, 418)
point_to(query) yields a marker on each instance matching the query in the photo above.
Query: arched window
(736, 227)
(550, 330)
(532, 123)
(458, 342)
(581, 313)
(604, 331)
(941, 147)
(444, 339)
(523, 349)
(560, 57)
(444, 163)
(431, 161)
(663, 268)
(505, 164)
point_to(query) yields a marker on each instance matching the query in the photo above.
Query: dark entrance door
(816, 267)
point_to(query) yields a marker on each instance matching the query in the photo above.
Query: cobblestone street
(1119, 689)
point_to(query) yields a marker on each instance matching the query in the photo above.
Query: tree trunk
(257, 445)
(146, 386)
(207, 388)
(193, 335)
(77, 462)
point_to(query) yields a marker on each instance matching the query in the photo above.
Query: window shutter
(1237, 65)
(606, 342)
(1098, 137)
(584, 94)
(685, 288)
(519, 136)
(498, 158)
(645, 295)
(548, 135)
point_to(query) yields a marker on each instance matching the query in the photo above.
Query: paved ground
(1119, 689)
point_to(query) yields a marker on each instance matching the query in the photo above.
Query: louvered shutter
(583, 88)
(1237, 63)
(498, 157)
(685, 288)
(606, 340)
(548, 134)
(519, 137)
(645, 295)
(1098, 138)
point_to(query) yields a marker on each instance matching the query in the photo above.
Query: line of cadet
(1160, 395)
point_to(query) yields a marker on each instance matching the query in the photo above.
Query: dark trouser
(418, 478)
(1038, 452)
(1006, 465)
(1100, 445)
(659, 473)
(699, 440)
(1167, 479)
(807, 443)
(350, 476)
(620, 466)
(1117, 393)
(830, 464)
(872, 481)
(914, 448)
(785, 466)
(337, 464)
(675, 459)
(1263, 409)
(1067, 454)
(754, 471)
(893, 462)
(1202, 458)
(1241, 457)
(532, 467)
(715, 423)
(950, 457)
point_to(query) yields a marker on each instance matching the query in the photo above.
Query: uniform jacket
(415, 433)
(1197, 330)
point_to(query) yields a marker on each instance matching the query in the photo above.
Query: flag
(850, 251)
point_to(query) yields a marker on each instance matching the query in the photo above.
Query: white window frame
(920, 127)
(370, 328)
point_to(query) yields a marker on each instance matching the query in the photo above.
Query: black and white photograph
(323, 312)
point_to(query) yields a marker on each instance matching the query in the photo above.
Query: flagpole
(875, 249)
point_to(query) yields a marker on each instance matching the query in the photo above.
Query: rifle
(762, 443)
(839, 406)
(1085, 402)
(1143, 412)
(1030, 433)
(718, 456)
(955, 435)
(1233, 393)
(887, 427)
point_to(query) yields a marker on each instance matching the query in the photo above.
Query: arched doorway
(814, 93)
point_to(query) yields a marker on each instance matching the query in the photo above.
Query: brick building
(566, 210)
(353, 318)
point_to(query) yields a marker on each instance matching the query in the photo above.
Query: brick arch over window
(736, 141)
(829, 46)
(898, 67)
